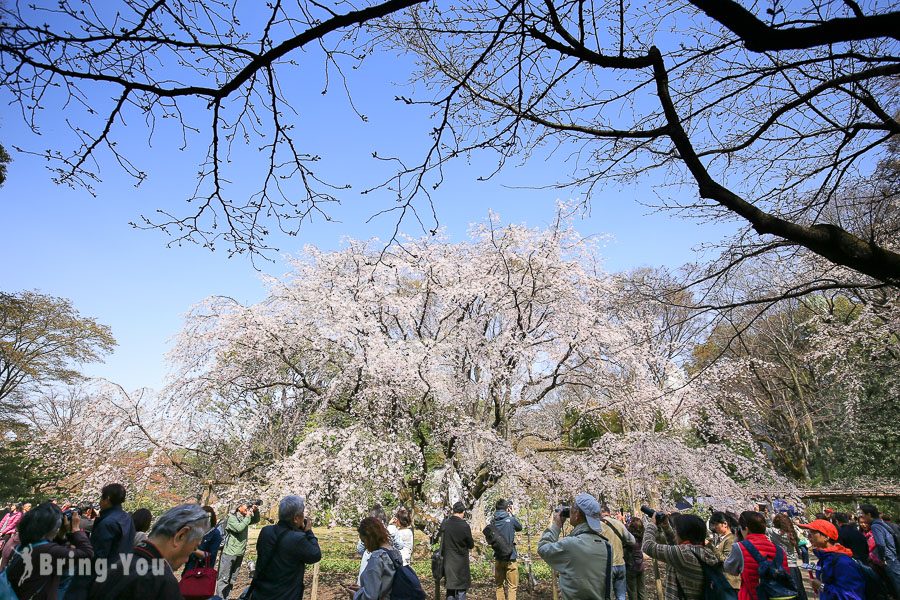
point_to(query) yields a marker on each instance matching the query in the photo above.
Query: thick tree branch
(759, 37)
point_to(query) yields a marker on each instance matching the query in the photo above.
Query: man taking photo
(622, 542)
(236, 529)
(506, 571)
(583, 558)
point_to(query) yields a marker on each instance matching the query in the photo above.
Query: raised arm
(552, 549)
(515, 523)
(235, 524)
(664, 552)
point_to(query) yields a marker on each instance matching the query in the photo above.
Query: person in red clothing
(739, 561)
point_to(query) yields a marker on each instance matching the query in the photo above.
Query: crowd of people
(80, 552)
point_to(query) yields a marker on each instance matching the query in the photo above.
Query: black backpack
(875, 587)
(774, 581)
(503, 550)
(715, 585)
(406, 585)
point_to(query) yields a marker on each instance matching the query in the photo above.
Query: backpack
(221, 527)
(774, 581)
(503, 550)
(406, 585)
(437, 557)
(875, 587)
(715, 584)
(608, 577)
(893, 532)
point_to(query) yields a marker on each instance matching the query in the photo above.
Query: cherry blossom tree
(94, 433)
(807, 379)
(422, 372)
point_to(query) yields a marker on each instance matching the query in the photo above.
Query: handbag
(247, 594)
(199, 583)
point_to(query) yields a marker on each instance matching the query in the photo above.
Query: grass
(339, 555)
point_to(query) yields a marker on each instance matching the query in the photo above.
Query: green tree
(5, 159)
(814, 382)
(43, 340)
(23, 475)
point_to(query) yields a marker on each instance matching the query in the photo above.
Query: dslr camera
(654, 514)
(564, 511)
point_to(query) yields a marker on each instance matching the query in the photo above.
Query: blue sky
(65, 242)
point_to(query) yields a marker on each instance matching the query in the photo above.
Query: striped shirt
(682, 564)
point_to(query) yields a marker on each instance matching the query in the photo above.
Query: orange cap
(823, 527)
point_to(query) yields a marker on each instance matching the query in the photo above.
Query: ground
(340, 564)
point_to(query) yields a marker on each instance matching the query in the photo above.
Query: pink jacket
(9, 522)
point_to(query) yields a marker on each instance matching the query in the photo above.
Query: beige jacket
(614, 541)
(723, 549)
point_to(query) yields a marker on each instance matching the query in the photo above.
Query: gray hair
(290, 507)
(175, 519)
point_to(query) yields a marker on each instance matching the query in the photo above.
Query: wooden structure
(848, 495)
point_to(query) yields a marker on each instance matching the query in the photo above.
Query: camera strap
(608, 555)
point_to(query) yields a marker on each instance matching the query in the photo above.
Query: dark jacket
(456, 544)
(154, 580)
(508, 525)
(44, 587)
(113, 534)
(280, 572)
(210, 545)
(851, 537)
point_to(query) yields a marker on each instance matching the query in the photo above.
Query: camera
(653, 513)
(564, 511)
(67, 514)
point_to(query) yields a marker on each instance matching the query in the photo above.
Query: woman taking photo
(37, 534)
(403, 534)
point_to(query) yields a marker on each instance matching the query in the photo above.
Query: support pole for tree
(659, 585)
(655, 501)
(314, 594)
(529, 574)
